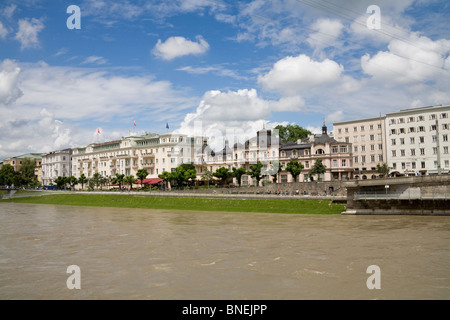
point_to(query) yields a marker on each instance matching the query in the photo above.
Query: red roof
(150, 181)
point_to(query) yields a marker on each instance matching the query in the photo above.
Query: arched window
(320, 151)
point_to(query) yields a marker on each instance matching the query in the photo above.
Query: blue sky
(232, 66)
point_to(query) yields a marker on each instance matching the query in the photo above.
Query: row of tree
(25, 177)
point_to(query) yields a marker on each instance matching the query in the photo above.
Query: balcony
(148, 165)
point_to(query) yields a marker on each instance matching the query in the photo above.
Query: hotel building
(56, 164)
(418, 140)
(153, 152)
(368, 139)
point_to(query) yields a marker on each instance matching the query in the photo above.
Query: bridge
(422, 195)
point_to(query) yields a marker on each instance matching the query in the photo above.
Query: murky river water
(157, 254)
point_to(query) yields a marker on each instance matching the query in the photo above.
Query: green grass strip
(198, 204)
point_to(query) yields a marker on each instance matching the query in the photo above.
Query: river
(174, 255)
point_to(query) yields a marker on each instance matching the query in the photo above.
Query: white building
(56, 164)
(418, 140)
(156, 153)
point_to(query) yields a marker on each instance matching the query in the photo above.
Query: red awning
(150, 181)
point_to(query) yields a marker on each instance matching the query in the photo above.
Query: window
(372, 137)
(422, 139)
(363, 138)
(380, 146)
(422, 151)
(372, 158)
(371, 127)
(394, 153)
(446, 164)
(363, 159)
(412, 129)
(380, 157)
(420, 118)
(413, 165)
(421, 129)
(393, 131)
(393, 142)
(347, 139)
(446, 150)
(372, 147)
(402, 140)
(445, 137)
(445, 126)
(432, 116)
(422, 164)
(411, 119)
(379, 126)
(413, 152)
(362, 128)
(401, 120)
(402, 153)
(402, 130)
(403, 165)
(306, 164)
(394, 166)
(355, 139)
(343, 149)
(344, 163)
(346, 130)
(434, 138)
(339, 130)
(392, 121)
(355, 129)
(355, 159)
(355, 148)
(334, 163)
(380, 137)
(443, 116)
(411, 140)
(434, 150)
(363, 148)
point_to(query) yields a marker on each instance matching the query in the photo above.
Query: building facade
(336, 156)
(418, 140)
(153, 152)
(56, 164)
(16, 163)
(368, 139)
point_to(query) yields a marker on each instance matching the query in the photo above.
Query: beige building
(16, 162)
(153, 152)
(335, 155)
(369, 148)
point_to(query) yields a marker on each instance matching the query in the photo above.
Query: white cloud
(28, 32)
(95, 60)
(175, 47)
(334, 117)
(414, 60)
(292, 75)
(9, 78)
(3, 31)
(326, 33)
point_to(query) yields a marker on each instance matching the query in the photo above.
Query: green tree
(166, 176)
(292, 133)
(223, 174)
(72, 181)
(96, 179)
(318, 168)
(295, 168)
(61, 182)
(142, 174)
(273, 169)
(129, 180)
(255, 171)
(27, 171)
(82, 180)
(190, 175)
(118, 179)
(7, 175)
(207, 176)
(238, 173)
(383, 168)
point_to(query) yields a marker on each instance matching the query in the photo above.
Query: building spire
(324, 128)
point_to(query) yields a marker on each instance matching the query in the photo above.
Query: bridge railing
(407, 195)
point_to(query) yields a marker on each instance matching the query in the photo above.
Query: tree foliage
(238, 173)
(7, 175)
(292, 132)
(295, 168)
(318, 168)
(255, 171)
(383, 168)
(82, 180)
(142, 174)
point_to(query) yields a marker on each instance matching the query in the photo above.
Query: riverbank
(299, 206)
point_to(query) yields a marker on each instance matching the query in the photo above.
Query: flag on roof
(134, 122)
(98, 131)
(167, 125)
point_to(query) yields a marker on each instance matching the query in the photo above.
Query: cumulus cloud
(28, 32)
(291, 75)
(3, 31)
(9, 78)
(416, 60)
(327, 32)
(175, 47)
(95, 60)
